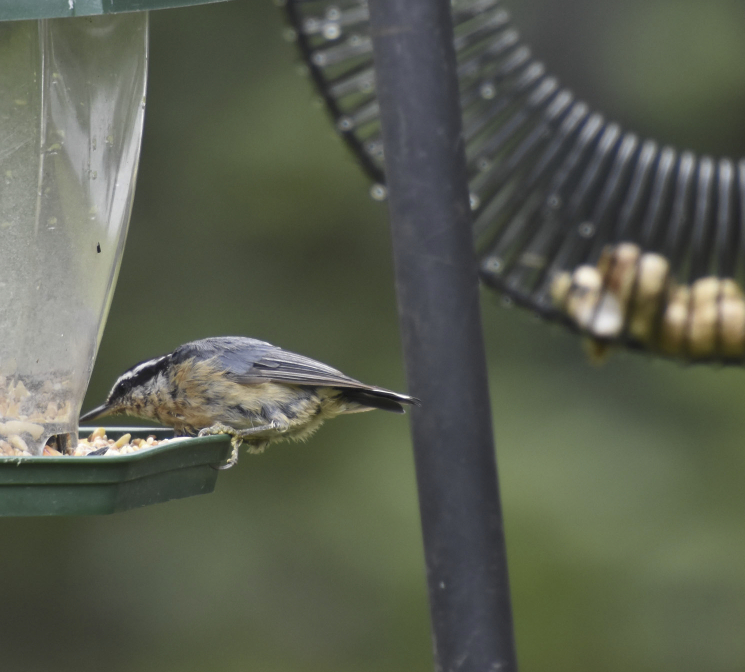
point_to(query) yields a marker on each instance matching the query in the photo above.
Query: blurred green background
(623, 486)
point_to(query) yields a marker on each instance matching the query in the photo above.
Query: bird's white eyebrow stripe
(141, 367)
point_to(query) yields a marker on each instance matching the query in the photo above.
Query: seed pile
(31, 407)
(101, 444)
(34, 402)
(98, 442)
(27, 408)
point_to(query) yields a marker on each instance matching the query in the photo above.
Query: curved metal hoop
(556, 188)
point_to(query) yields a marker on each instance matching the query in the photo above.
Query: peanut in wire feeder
(630, 294)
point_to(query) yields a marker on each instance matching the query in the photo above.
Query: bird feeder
(73, 77)
(625, 240)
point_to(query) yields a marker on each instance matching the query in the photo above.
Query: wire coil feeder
(575, 218)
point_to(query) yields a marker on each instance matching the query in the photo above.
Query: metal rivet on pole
(440, 318)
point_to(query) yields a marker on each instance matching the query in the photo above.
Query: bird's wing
(248, 361)
(283, 366)
(234, 353)
(251, 362)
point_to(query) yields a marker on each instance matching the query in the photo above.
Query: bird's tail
(377, 397)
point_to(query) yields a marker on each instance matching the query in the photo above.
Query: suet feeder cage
(73, 76)
(621, 238)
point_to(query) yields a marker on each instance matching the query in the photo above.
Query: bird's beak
(95, 413)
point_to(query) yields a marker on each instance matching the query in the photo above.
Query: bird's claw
(218, 428)
(236, 442)
(238, 436)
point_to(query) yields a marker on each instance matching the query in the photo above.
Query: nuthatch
(249, 389)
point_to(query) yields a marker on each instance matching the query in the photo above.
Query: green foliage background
(623, 487)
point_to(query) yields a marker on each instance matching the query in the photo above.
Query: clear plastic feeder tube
(72, 98)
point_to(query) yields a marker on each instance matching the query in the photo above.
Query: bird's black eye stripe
(139, 374)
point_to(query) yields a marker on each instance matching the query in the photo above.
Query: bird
(249, 389)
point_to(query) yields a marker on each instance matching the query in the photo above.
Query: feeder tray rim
(19, 10)
(136, 432)
(69, 486)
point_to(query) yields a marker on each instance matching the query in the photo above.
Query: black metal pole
(438, 298)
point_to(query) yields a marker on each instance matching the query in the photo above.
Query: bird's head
(135, 392)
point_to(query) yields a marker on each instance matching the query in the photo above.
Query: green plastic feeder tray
(82, 486)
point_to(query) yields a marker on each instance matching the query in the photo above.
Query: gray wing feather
(235, 353)
(282, 366)
(248, 361)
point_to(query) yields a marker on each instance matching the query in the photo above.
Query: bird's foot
(219, 428)
(236, 442)
(239, 435)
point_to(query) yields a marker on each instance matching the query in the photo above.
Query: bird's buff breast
(299, 411)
